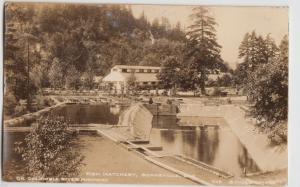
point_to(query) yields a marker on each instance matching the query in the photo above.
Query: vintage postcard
(145, 94)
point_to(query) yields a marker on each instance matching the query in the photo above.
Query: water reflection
(208, 143)
(165, 122)
(84, 114)
(246, 162)
(168, 136)
(215, 146)
(168, 122)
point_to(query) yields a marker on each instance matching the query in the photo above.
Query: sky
(233, 23)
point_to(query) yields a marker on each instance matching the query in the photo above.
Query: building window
(114, 69)
(153, 83)
(124, 70)
(145, 82)
(148, 70)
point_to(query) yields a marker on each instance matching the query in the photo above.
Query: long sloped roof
(140, 77)
(136, 67)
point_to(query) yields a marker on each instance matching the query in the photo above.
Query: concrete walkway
(108, 162)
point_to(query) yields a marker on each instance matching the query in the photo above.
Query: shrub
(225, 80)
(216, 92)
(43, 102)
(48, 102)
(20, 110)
(169, 101)
(229, 101)
(40, 102)
(10, 102)
(49, 149)
(278, 134)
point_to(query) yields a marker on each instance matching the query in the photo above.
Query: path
(107, 161)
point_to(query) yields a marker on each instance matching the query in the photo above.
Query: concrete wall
(26, 119)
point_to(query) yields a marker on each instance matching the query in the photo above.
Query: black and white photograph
(145, 94)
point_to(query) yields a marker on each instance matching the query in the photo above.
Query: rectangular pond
(218, 147)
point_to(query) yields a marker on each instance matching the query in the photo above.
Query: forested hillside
(54, 45)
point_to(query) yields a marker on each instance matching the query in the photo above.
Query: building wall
(120, 84)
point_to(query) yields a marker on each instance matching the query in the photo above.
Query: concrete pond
(217, 147)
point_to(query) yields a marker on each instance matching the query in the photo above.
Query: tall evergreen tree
(203, 51)
(254, 51)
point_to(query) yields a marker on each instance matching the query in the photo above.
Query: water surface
(218, 147)
(85, 114)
